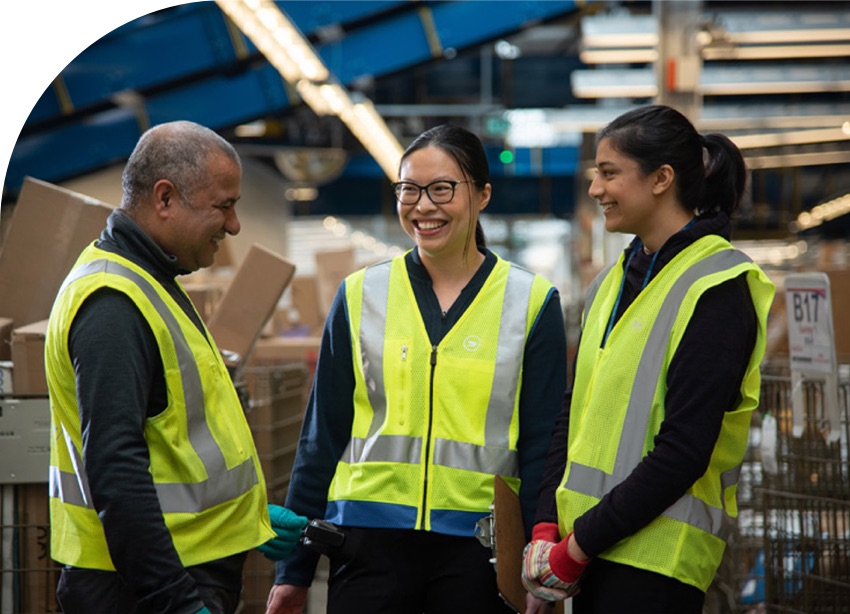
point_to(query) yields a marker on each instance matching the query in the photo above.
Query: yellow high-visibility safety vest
(202, 457)
(432, 425)
(618, 406)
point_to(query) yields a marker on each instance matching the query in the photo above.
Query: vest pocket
(397, 367)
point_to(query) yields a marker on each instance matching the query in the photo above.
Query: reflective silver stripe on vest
(222, 484)
(509, 353)
(496, 452)
(71, 488)
(596, 483)
(373, 321)
(387, 449)
(468, 456)
(593, 288)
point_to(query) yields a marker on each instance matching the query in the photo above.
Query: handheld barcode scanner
(322, 536)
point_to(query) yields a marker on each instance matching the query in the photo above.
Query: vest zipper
(428, 437)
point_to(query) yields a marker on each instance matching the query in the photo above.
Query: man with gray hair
(156, 490)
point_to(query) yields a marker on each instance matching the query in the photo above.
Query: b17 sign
(811, 341)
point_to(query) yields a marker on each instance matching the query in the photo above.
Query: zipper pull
(433, 355)
(404, 352)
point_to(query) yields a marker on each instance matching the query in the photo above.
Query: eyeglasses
(440, 192)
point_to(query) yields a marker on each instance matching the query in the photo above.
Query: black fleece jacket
(120, 384)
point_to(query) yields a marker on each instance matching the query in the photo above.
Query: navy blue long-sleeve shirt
(327, 424)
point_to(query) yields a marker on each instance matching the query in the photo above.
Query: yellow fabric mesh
(463, 379)
(172, 457)
(603, 386)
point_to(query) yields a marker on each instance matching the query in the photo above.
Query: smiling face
(447, 230)
(626, 195)
(196, 225)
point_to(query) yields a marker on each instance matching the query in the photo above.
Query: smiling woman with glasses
(438, 370)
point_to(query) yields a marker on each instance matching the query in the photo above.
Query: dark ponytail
(710, 170)
(725, 175)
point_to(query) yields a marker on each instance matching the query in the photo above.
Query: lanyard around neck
(637, 246)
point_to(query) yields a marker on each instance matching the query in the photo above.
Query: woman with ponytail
(639, 487)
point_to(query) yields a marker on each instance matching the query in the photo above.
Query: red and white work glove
(541, 559)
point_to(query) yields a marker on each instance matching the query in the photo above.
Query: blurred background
(321, 97)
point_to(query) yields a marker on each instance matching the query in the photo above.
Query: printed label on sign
(811, 342)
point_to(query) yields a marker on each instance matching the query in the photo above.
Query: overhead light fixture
(623, 38)
(303, 194)
(821, 158)
(646, 55)
(773, 52)
(822, 213)
(796, 137)
(280, 41)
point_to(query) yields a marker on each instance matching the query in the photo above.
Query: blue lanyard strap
(638, 245)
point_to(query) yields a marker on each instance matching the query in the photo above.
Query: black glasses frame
(426, 188)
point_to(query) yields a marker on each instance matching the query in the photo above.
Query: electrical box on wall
(24, 440)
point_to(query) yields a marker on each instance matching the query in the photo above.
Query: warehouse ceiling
(520, 73)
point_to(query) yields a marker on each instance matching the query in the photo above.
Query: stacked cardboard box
(248, 303)
(277, 398)
(276, 401)
(49, 228)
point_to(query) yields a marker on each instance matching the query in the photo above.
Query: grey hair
(177, 151)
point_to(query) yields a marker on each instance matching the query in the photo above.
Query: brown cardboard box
(331, 268)
(28, 376)
(50, 227)
(205, 297)
(286, 349)
(305, 301)
(6, 325)
(839, 290)
(249, 302)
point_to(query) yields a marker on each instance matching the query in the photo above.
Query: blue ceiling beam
(312, 17)
(186, 65)
(402, 40)
(108, 137)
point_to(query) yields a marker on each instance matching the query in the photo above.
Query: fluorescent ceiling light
(774, 52)
(801, 137)
(293, 56)
(801, 159)
(823, 213)
(618, 56)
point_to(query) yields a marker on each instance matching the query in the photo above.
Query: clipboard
(510, 542)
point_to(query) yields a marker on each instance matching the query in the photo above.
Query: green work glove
(203, 610)
(288, 526)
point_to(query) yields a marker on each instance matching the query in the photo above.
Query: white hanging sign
(811, 341)
(811, 345)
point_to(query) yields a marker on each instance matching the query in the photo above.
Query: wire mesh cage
(790, 548)
(28, 575)
(806, 502)
(793, 531)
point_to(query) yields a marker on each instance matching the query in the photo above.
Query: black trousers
(612, 588)
(90, 591)
(394, 571)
